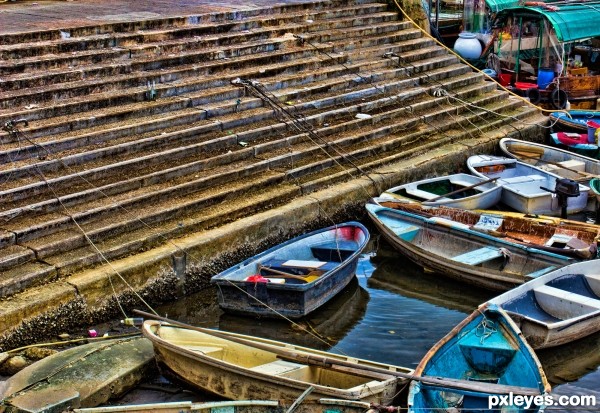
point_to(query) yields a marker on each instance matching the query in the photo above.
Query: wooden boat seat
(523, 179)
(594, 282)
(408, 233)
(543, 271)
(338, 250)
(478, 256)
(277, 367)
(212, 351)
(563, 304)
(492, 353)
(300, 267)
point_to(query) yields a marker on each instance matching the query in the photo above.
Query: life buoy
(558, 98)
(534, 95)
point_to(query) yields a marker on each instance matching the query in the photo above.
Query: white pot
(467, 46)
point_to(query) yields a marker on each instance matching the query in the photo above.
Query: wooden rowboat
(525, 187)
(558, 307)
(569, 238)
(456, 251)
(488, 349)
(563, 163)
(239, 367)
(296, 277)
(456, 191)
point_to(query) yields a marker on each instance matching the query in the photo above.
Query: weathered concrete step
(141, 74)
(120, 60)
(269, 63)
(21, 277)
(171, 22)
(110, 153)
(14, 255)
(87, 212)
(223, 28)
(67, 261)
(18, 153)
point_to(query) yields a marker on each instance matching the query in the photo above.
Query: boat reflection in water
(320, 330)
(573, 361)
(432, 288)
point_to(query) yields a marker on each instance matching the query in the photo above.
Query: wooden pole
(315, 359)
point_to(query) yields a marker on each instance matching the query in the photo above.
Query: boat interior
(484, 351)
(426, 191)
(257, 360)
(515, 229)
(566, 297)
(311, 256)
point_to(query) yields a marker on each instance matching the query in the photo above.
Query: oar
(310, 277)
(583, 174)
(324, 361)
(463, 189)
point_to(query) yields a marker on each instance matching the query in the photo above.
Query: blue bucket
(545, 77)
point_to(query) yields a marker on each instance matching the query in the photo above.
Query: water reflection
(392, 313)
(321, 329)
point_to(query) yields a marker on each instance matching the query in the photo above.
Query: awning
(571, 21)
(498, 5)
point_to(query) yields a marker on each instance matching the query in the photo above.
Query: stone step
(139, 75)
(134, 149)
(157, 24)
(65, 259)
(71, 66)
(181, 186)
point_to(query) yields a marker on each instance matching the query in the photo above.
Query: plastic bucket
(592, 126)
(545, 77)
(504, 78)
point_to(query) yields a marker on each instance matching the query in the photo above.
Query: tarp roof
(571, 21)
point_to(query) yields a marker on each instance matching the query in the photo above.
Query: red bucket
(525, 85)
(504, 79)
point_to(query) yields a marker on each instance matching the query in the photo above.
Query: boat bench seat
(207, 350)
(478, 256)
(523, 179)
(594, 282)
(563, 304)
(543, 271)
(277, 367)
(299, 266)
(338, 250)
(407, 233)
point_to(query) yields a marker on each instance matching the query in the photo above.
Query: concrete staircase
(142, 132)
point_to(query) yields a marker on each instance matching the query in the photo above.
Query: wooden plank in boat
(277, 367)
(303, 263)
(478, 256)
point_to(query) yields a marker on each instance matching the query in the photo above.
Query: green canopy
(571, 21)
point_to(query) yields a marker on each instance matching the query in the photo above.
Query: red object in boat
(570, 138)
(348, 233)
(257, 278)
(525, 85)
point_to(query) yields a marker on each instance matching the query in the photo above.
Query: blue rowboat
(574, 121)
(488, 349)
(558, 307)
(294, 278)
(523, 185)
(455, 191)
(453, 249)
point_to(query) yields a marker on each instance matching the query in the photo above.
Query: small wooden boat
(454, 250)
(563, 163)
(239, 367)
(296, 277)
(558, 307)
(569, 238)
(526, 188)
(456, 191)
(488, 349)
(574, 121)
(238, 406)
(83, 376)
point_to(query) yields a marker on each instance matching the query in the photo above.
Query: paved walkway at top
(22, 16)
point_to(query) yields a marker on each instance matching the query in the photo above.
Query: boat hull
(486, 347)
(440, 242)
(522, 186)
(293, 299)
(483, 194)
(562, 315)
(237, 371)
